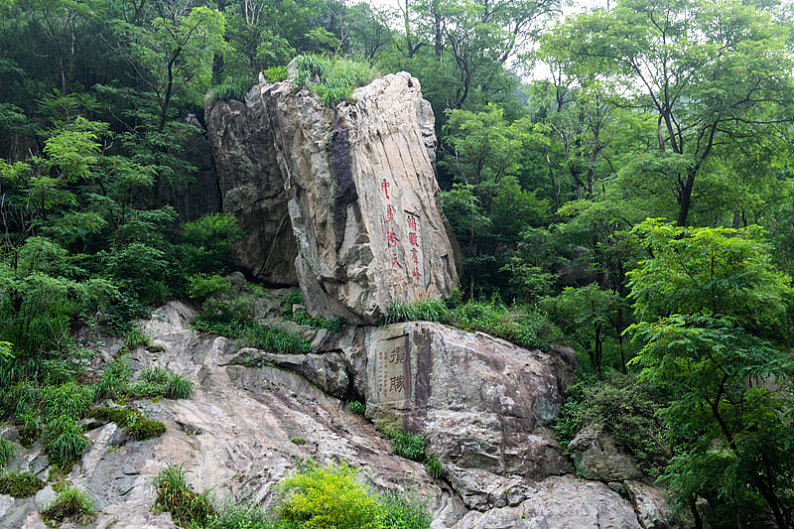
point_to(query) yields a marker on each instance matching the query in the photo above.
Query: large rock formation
(359, 187)
(234, 434)
(253, 190)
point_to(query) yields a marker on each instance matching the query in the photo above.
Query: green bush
(203, 286)
(276, 339)
(20, 485)
(429, 310)
(356, 407)
(178, 387)
(187, 507)
(626, 408)
(135, 338)
(68, 399)
(407, 444)
(154, 375)
(434, 467)
(333, 80)
(233, 88)
(403, 511)
(276, 74)
(241, 516)
(302, 318)
(328, 497)
(71, 504)
(129, 419)
(113, 380)
(63, 440)
(209, 242)
(7, 451)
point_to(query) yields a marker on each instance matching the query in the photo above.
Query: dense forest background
(635, 203)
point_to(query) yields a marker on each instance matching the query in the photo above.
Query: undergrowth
(523, 326)
(131, 420)
(312, 497)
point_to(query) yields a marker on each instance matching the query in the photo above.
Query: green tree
(713, 323)
(714, 74)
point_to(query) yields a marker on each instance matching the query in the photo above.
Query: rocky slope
(234, 435)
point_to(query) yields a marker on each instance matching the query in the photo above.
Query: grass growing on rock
(129, 419)
(21, 485)
(71, 504)
(412, 446)
(7, 451)
(523, 326)
(187, 507)
(333, 80)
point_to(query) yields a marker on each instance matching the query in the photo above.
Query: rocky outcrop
(597, 456)
(483, 404)
(253, 189)
(355, 184)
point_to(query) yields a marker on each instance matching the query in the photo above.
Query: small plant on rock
(71, 504)
(7, 450)
(20, 485)
(356, 407)
(178, 387)
(187, 507)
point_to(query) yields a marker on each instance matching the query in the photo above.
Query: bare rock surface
(482, 403)
(252, 188)
(597, 456)
(354, 185)
(559, 502)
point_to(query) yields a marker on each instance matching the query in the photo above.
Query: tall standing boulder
(357, 185)
(363, 196)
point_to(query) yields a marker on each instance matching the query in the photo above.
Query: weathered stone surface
(559, 502)
(253, 189)
(651, 505)
(363, 196)
(344, 200)
(596, 456)
(481, 402)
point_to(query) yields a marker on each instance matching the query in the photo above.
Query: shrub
(68, 399)
(63, 439)
(407, 444)
(136, 338)
(71, 504)
(328, 497)
(141, 389)
(209, 242)
(174, 495)
(276, 74)
(203, 286)
(403, 511)
(20, 485)
(276, 339)
(356, 407)
(178, 387)
(7, 451)
(434, 467)
(429, 310)
(154, 375)
(626, 408)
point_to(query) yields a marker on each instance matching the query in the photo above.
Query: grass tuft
(178, 387)
(356, 407)
(7, 451)
(71, 504)
(187, 508)
(333, 80)
(20, 485)
(131, 420)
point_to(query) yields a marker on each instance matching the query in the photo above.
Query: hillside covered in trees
(619, 180)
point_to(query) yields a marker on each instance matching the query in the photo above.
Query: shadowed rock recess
(344, 202)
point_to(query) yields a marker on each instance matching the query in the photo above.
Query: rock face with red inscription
(359, 187)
